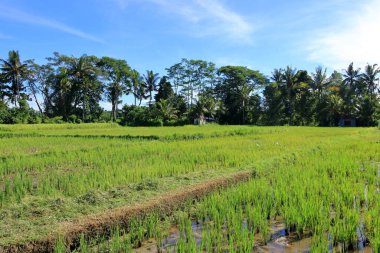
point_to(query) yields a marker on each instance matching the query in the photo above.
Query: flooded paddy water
(281, 241)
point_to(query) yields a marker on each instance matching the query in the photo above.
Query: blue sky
(155, 34)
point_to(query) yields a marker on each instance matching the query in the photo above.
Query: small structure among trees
(71, 89)
(347, 122)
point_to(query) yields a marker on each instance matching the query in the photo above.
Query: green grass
(50, 174)
(328, 190)
(115, 130)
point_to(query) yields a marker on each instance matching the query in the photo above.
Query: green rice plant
(316, 180)
(60, 246)
(83, 245)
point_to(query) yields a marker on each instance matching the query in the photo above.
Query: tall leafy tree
(86, 87)
(175, 74)
(190, 77)
(14, 73)
(63, 93)
(236, 87)
(85, 75)
(164, 90)
(116, 73)
(33, 80)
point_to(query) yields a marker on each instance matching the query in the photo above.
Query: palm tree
(84, 73)
(141, 91)
(167, 109)
(351, 76)
(113, 92)
(134, 84)
(277, 75)
(320, 80)
(150, 82)
(63, 88)
(206, 105)
(290, 80)
(13, 71)
(369, 77)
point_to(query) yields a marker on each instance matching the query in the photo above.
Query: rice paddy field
(107, 188)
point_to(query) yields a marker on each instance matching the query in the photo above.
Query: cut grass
(48, 181)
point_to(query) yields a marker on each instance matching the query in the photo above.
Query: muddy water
(280, 242)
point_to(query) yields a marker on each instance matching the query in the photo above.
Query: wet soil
(280, 242)
(97, 224)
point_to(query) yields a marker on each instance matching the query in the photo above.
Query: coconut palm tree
(277, 76)
(369, 77)
(351, 76)
(13, 72)
(150, 82)
(319, 80)
(62, 89)
(167, 109)
(134, 86)
(290, 80)
(141, 92)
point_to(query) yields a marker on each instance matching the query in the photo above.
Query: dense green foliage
(72, 88)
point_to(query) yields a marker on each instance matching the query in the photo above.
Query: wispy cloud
(23, 17)
(205, 18)
(212, 18)
(4, 36)
(354, 37)
(122, 4)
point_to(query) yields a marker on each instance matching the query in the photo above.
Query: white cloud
(205, 18)
(23, 17)
(354, 38)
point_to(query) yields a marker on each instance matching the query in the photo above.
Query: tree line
(70, 89)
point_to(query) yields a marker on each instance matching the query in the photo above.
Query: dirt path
(93, 225)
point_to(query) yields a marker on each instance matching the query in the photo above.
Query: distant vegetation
(70, 89)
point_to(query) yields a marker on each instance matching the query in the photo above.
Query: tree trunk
(17, 91)
(113, 111)
(35, 98)
(83, 107)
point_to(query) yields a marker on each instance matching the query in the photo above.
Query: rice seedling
(323, 192)
(319, 182)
